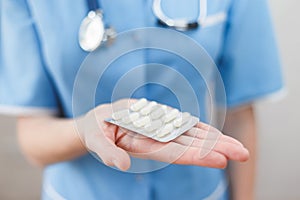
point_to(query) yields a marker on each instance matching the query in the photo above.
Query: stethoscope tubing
(95, 16)
(180, 24)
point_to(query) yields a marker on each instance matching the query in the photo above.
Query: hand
(203, 145)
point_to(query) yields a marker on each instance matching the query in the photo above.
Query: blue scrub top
(40, 57)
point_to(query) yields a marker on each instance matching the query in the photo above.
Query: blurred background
(278, 174)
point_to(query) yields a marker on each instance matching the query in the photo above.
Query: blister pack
(154, 120)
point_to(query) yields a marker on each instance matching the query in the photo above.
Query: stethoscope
(94, 32)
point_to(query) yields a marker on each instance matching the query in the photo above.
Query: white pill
(167, 129)
(171, 115)
(158, 112)
(154, 120)
(164, 107)
(138, 105)
(142, 122)
(120, 114)
(130, 118)
(185, 117)
(147, 109)
(154, 125)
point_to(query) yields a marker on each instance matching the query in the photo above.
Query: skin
(240, 124)
(203, 145)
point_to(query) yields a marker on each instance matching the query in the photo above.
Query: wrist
(76, 143)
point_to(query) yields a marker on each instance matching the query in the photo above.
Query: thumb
(109, 152)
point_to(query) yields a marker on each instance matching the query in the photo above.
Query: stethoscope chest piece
(92, 31)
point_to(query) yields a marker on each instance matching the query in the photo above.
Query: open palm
(202, 145)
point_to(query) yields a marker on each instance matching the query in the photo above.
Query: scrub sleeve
(249, 65)
(25, 87)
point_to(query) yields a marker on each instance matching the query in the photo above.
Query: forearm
(48, 140)
(240, 124)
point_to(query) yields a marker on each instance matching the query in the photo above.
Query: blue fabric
(40, 57)
(20, 55)
(249, 64)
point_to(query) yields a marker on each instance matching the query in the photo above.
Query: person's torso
(57, 24)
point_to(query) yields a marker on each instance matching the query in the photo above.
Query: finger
(123, 103)
(189, 141)
(204, 126)
(105, 110)
(212, 134)
(196, 133)
(230, 150)
(205, 139)
(209, 132)
(204, 135)
(226, 138)
(179, 154)
(109, 153)
(212, 159)
(135, 143)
